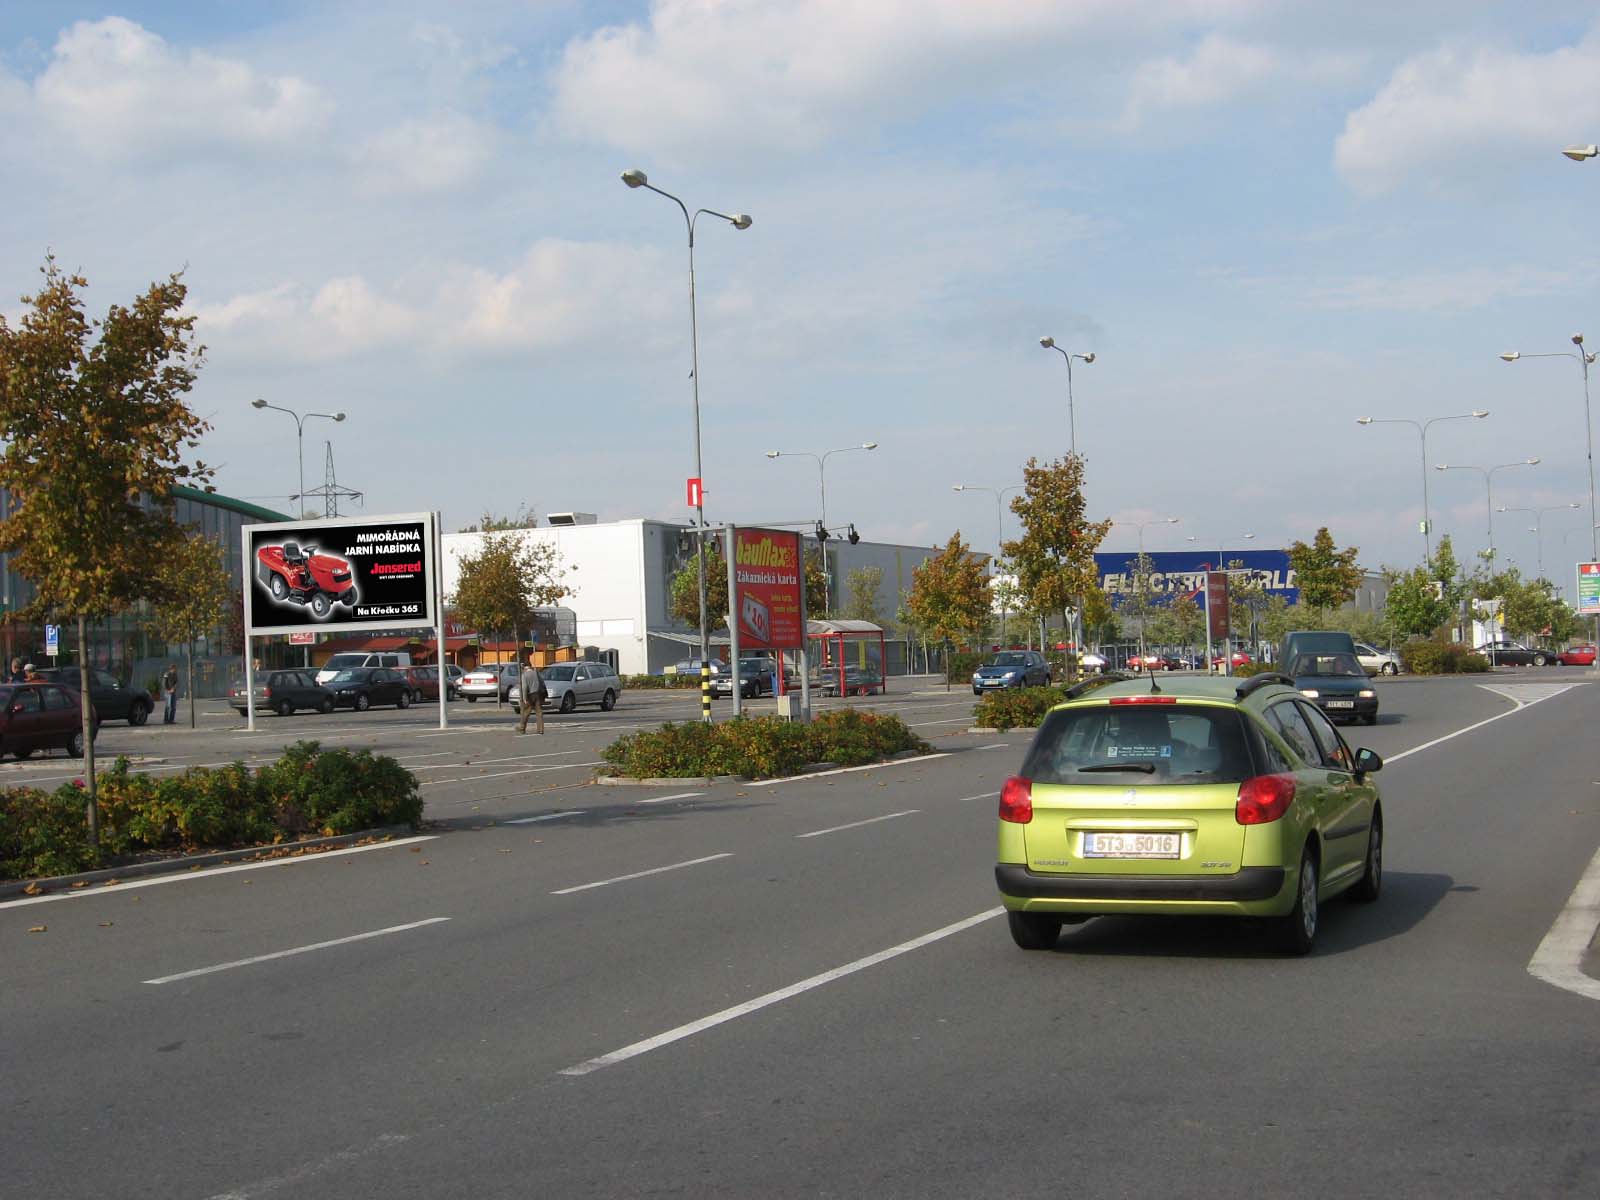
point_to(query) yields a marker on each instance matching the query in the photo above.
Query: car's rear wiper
(1147, 768)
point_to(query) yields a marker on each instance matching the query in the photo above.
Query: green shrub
(851, 737)
(659, 682)
(339, 791)
(42, 833)
(1441, 658)
(1016, 708)
(758, 747)
(962, 663)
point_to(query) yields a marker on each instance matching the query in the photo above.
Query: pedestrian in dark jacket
(169, 689)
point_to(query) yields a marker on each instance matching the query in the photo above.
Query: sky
(1265, 220)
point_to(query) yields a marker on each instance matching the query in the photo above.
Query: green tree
(1139, 601)
(1180, 623)
(863, 584)
(1054, 558)
(950, 594)
(1100, 623)
(197, 598)
(505, 580)
(1414, 604)
(1008, 598)
(1327, 576)
(96, 431)
(683, 594)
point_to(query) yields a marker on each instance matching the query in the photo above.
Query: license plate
(1341, 703)
(1132, 845)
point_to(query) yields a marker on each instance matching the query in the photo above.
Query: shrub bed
(1441, 658)
(1024, 708)
(307, 791)
(759, 747)
(660, 682)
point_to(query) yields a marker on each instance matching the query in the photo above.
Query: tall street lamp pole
(822, 495)
(1049, 343)
(999, 536)
(1422, 431)
(300, 420)
(636, 178)
(1488, 489)
(1585, 358)
(1538, 523)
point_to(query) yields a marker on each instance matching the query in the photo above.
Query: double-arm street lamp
(1537, 528)
(635, 178)
(1049, 343)
(300, 420)
(1422, 432)
(1584, 360)
(1488, 488)
(822, 495)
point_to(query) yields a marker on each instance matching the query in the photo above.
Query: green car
(1192, 797)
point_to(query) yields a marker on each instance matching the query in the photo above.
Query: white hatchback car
(1377, 662)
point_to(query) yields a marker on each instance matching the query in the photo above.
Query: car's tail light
(1144, 699)
(1263, 799)
(266, 693)
(1016, 800)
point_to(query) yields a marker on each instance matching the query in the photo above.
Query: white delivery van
(362, 658)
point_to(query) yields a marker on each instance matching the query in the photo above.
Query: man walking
(169, 689)
(530, 691)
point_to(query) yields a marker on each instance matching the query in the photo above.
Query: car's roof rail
(1260, 681)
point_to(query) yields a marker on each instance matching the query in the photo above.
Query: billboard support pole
(438, 594)
(731, 548)
(249, 685)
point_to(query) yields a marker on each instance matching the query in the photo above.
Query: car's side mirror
(1367, 761)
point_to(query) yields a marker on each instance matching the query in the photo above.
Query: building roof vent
(572, 518)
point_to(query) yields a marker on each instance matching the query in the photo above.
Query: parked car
(1237, 659)
(1377, 662)
(1204, 799)
(757, 677)
(110, 699)
(362, 658)
(496, 681)
(570, 684)
(1505, 653)
(691, 666)
(283, 692)
(362, 687)
(40, 716)
(1011, 669)
(424, 683)
(1581, 655)
(1093, 663)
(1338, 684)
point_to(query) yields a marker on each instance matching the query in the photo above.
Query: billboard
(1217, 604)
(364, 573)
(1588, 588)
(767, 582)
(1183, 572)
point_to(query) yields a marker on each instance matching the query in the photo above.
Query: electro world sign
(1183, 572)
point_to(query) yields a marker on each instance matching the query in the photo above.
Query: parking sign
(52, 640)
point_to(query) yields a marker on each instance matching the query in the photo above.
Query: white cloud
(438, 154)
(1219, 70)
(1456, 106)
(120, 90)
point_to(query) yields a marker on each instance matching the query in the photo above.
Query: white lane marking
(261, 958)
(858, 824)
(1520, 705)
(297, 1176)
(785, 993)
(547, 817)
(894, 762)
(1528, 693)
(993, 746)
(478, 762)
(677, 796)
(503, 774)
(955, 721)
(693, 862)
(979, 796)
(131, 885)
(1559, 958)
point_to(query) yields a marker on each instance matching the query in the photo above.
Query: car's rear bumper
(1018, 883)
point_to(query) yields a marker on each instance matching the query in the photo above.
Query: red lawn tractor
(292, 572)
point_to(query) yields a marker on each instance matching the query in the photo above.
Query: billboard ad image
(767, 580)
(370, 573)
(1183, 573)
(1588, 588)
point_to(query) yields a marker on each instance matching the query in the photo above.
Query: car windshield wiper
(1147, 768)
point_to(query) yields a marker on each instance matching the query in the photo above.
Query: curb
(169, 866)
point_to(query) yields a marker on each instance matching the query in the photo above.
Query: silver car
(489, 682)
(1377, 662)
(570, 684)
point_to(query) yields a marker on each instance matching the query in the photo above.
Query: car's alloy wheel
(1389, 668)
(569, 701)
(326, 706)
(362, 703)
(404, 700)
(1298, 930)
(1539, 660)
(1033, 931)
(75, 746)
(284, 708)
(608, 701)
(139, 713)
(1370, 884)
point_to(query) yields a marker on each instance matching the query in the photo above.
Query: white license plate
(1132, 845)
(1341, 703)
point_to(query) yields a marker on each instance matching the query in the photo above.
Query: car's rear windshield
(1124, 745)
(562, 671)
(345, 660)
(1327, 664)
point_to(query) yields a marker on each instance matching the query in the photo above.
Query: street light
(1579, 153)
(1538, 523)
(300, 420)
(636, 178)
(999, 535)
(822, 490)
(1227, 641)
(1584, 359)
(1422, 430)
(1049, 343)
(1488, 488)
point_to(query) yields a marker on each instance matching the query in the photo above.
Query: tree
(1327, 576)
(96, 430)
(1414, 606)
(863, 583)
(523, 518)
(950, 595)
(1138, 602)
(1100, 623)
(196, 588)
(1180, 623)
(1054, 558)
(505, 580)
(1007, 597)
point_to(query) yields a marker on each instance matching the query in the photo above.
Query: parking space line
(993, 746)
(676, 796)
(503, 774)
(894, 762)
(953, 721)
(979, 796)
(261, 958)
(693, 862)
(588, 1066)
(858, 824)
(478, 762)
(1559, 958)
(546, 817)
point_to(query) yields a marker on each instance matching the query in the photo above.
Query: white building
(619, 578)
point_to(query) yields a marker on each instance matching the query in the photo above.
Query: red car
(1239, 659)
(1577, 656)
(298, 574)
(38, 716)
(1152, 662)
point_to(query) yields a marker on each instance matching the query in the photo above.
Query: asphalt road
(804, 989)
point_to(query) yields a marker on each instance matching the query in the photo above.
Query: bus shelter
(850, 657)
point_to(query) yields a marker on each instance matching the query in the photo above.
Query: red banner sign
(695, 491)
(1217, 603)
(767, 576)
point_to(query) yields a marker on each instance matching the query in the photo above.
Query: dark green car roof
(1217, 688)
